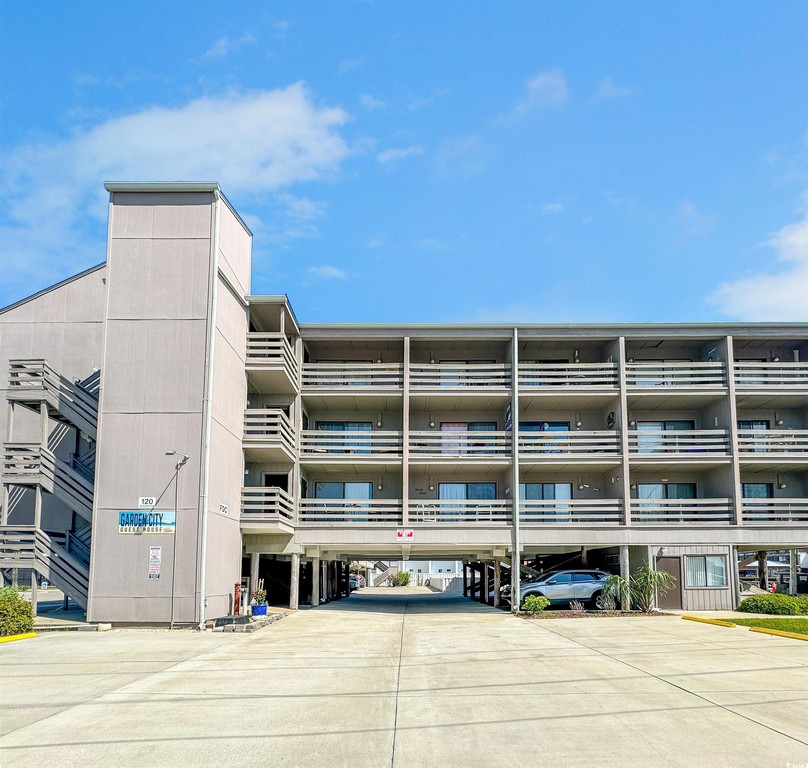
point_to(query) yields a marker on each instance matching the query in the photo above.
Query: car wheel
(599, 601)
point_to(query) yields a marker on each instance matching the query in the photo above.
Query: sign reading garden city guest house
(146, 521)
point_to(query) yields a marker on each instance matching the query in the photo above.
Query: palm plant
(642, 589)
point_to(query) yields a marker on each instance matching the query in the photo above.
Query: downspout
(206, 409)
(516, 560)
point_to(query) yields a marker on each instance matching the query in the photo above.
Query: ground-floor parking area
(404, 677)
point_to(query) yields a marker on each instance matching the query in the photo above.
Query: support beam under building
(625, 573)
(315, 582)
(497, 581)
(294, 582)
(793, 557)
(255, 560)
(763, 581)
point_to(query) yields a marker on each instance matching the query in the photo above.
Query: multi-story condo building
(311, 445)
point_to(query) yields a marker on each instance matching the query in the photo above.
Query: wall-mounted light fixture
(575, 357)
(632, 423)
(577, 420)
(431, 420)
(663, 550)
(781, 483)
(378, 420)
(431, 483)
(777, 420)
(633, 486)
(380, 484)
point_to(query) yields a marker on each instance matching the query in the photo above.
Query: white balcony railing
(681, 511)
(785, 443)
(340, 376)
(571, 512)
(687, 443)
(779, 376)
(453, 446)
(554, 445)
(266, 506)
(461, 511)
(641, 376)
(350, 512)
(271, 351)
(459, 376)
(583, 376)
(776, 511)
(268, 427)
(352, 445)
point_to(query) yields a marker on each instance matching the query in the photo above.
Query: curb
(717, 622)
(778, 632)
(12, 638)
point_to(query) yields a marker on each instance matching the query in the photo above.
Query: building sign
(223, 509)
(155, 556)
(140, 521)
(146, 502)
(404, 534)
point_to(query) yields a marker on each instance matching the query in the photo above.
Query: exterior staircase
(387, 572)
(25, 546)
(61, 557)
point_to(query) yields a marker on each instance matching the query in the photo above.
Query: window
(706, 571)
(544, 426)
(545, 491)
(462, 491)
(666, 490)
(650, 441)
(455, 443)
(343, 490)
(350, 510)
(757, 490)
(750, 430)
(344, 443)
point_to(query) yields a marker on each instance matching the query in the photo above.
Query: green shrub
(16, 614)
(535, 604)
(779, 605)
(401, 579)
(802, 602)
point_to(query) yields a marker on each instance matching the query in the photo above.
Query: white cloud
(776, 295)
(463, 156)
(224, 46)
(371, 103)
(253, 143)
(376, 242)
(392, 155)
(546, 89)
(552, 209)
(691, 222)
(328, 272)
(351, 64)
(608, 90)
(432, 244)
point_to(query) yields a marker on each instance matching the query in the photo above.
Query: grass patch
(797, 626)
(547, 615)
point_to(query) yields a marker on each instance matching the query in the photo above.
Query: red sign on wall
(404, 534)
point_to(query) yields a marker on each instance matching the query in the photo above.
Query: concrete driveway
(407, 678)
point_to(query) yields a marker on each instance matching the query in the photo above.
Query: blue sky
(432, 162)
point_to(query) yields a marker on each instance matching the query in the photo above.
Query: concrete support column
(315, 582)
(625, 573)
(762, 557)
(294, 583)
(486, 590)
(6, 502)
(516, 582)
(33, 591)
(38, 506)
(792, 571)
(44, 424)
(497, 580)
(255, 559)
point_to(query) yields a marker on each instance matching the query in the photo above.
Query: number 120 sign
(404, 534)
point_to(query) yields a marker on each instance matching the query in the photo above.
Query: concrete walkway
(408, 678)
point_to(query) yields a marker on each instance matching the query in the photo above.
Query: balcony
(268, 435)
(484, 446)
(266, 509)
(680, 445)
(778, 377)
(350, 446)
(579, 446)
(775, 511)
(366, 378)
(356, 512)
(271, 363)
(575, 378)
(461, 512)
(681, 511)
(459, 377)
(773, 449)
(674, 384)
(571, 512)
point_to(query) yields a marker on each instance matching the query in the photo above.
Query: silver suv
(564, 586)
